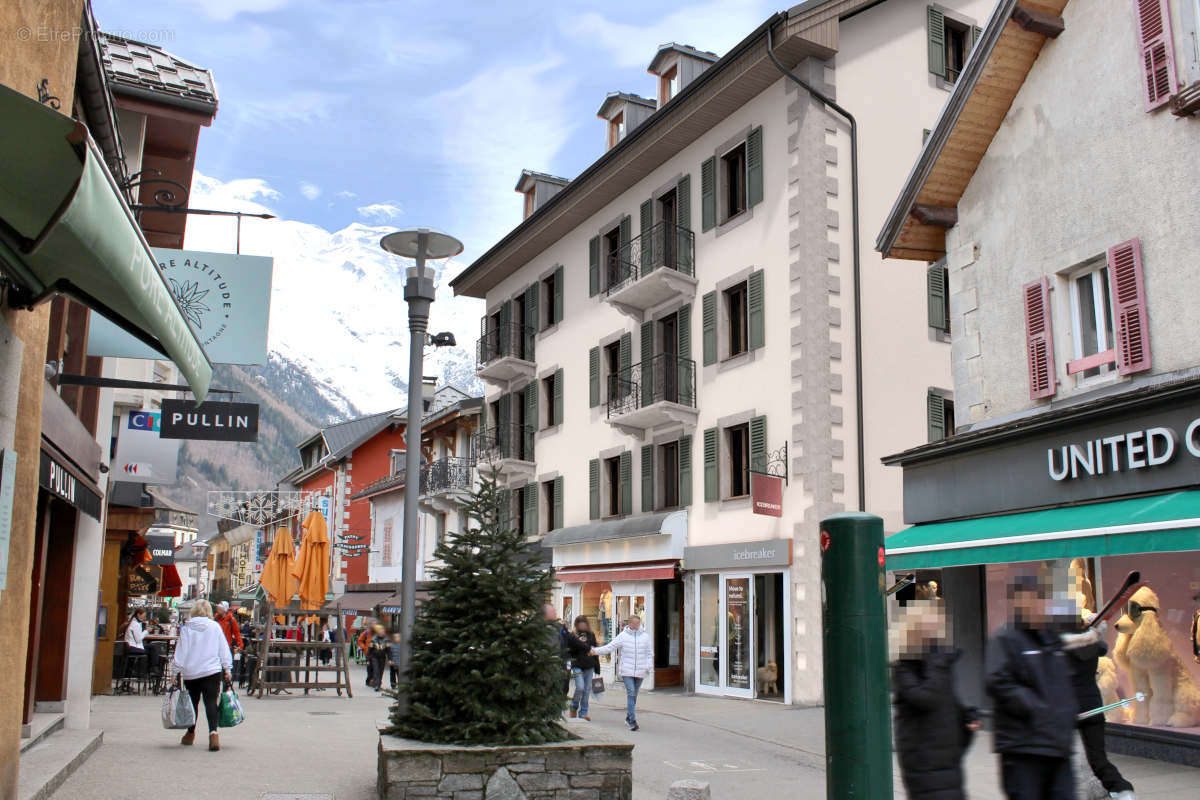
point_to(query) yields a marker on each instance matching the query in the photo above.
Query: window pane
(1108, 323)
(1087, 316)
(709, 632)
(737, 634)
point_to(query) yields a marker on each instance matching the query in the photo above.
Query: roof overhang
(618, 100)
(665, 523)
(994, 73)
(668, 52)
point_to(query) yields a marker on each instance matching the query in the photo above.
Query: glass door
(738, 635)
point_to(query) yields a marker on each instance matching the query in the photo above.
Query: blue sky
(417, 112)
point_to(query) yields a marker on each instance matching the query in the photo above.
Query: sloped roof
(145, 70)
(528, 176)
(345, 436)
(665, 50)
(614, 99)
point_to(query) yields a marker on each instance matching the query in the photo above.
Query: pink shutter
(1128, 291)
(1039, 342)
(1157, 49)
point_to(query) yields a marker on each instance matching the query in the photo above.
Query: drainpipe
(857, 270)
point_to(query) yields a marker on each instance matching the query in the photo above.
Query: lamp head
(443, 339)
(408, 243)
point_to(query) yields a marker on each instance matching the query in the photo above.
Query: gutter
(704, 78)
(857, 267)
(205, 107)
(945, 125)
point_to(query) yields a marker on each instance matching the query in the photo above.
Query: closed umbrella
(277, 580)
(312, 565)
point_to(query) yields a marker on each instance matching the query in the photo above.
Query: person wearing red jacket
(229, 625)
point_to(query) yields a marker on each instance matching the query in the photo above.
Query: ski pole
(1119, 704)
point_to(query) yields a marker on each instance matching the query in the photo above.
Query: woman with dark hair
(135, 632)
(584, 666)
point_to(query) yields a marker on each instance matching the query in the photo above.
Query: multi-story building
(1071, 254)
(692, 311)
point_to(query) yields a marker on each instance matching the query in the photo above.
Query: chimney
(538, 187)
(623, 112)
(677, 65)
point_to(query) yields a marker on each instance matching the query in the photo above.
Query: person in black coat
(933, 728)
(1085, 650)
(584, 665)
(1030, 681)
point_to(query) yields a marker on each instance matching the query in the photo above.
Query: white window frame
(1095, 268)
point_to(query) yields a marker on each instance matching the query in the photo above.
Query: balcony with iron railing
(508, 449)
(654, 267)
(447, 476)
(505, 352)
(654, 393)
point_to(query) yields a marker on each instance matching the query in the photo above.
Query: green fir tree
(485, 666)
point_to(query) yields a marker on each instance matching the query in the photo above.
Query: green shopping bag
(230, 708)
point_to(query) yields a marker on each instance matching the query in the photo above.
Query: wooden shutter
(484, 354)
(530, 497)
(1128, 290)
(531, 406)
(712, 474)
(935, 285)
(936, 33)
(708, 327)
(754, 167)
(755, 313)
(558, 297)
(758, 444)
(558, 397)
(593, 266)
(647, 376)
(506, 348)
(935, 415)
(625, 467)
(626, 232)
(685, 367)
(683, 222)
(685, 471)
(504, 509)
(1158, 51)
(708, 194)
(504, 432)
(593, 377)
(594, 489)
(625, 363)
(647, 477)
(557, 522)
(647, 222)
(976, 33)
(531, 319)
(1039, 341)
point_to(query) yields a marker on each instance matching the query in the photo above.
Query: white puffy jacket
(636, 653)
(201, 650)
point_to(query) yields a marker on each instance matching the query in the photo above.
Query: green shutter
(506, 328)
(531, 319)
(685, 367)
(625, 363)
(504, 512)
(754, 167)
(935, 414)
(557, 522)
(505, 432)
(484, 354)
(683, 222)
(712, 474)
(558, 397)
(594, 489)
(530, 496)
(685, 471)
(647, 222)
(626, 232)
(625, 466)
(708, 327)
(976, 32)
(755, 315)
(935, 282)
(593, 266)
(558, 297)
(593, 377)
(647, 477)
(758, 444)
(936, 31)
(925, 136)
(647, 376)
(531, 406)
(708, 194)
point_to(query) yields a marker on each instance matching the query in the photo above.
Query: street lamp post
(418, 244)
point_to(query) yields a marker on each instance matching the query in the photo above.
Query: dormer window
(616, 128)
(536, 188)
(668, 85)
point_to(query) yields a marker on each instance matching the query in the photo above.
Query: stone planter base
(587, 768)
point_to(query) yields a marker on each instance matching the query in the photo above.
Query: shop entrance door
(737, 636)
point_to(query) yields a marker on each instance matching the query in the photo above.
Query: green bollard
(858, 721)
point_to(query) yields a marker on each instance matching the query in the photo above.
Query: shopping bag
(177, 710)
(230, 710)
(597, 685)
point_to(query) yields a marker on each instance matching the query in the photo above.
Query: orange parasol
(312, 565)
(277, 580)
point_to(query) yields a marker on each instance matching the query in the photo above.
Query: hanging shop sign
(225, 297)
(62, 482)
(739, 555)
(766, 494)
(210, 421)
(161, 547)
(141, 582)
(142, 455)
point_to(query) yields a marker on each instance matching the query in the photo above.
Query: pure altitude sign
(211, 421)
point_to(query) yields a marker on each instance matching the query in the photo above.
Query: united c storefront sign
(766, 494)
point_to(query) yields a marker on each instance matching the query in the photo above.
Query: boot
(188, 738)
(214, 742)
(574, 713)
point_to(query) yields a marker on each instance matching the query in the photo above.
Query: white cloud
(346, 195)
(310, 190)
(380, 212)
(228, 9)
(291, 109)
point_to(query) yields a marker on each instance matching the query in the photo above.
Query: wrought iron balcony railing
(504, 341)
(664, 378)
(504, 442)
(447, 475)
(665, 245)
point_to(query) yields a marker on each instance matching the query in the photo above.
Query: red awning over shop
(655, 570)
(171, 584)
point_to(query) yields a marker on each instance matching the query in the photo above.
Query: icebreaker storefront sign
(211, 421)
(768, 553)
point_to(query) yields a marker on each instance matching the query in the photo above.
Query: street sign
(766, 493)
(212, 421)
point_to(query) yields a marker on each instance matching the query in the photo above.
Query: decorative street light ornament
(261, 507)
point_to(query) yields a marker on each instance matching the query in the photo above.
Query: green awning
(64, 227)
(1156, 524)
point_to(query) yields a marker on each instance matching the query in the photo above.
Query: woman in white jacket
(202, 658)
(634, 663)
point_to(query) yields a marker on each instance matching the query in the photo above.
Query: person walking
(560, 637)
(584, 667)
(326, 652)
(202, 659)
(229, 626)
(1030, 683)
(394, 659)
(378, 650)
(635, 662)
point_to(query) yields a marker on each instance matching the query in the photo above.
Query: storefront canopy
(1154, 524)
(64, 227)
(626, 528)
